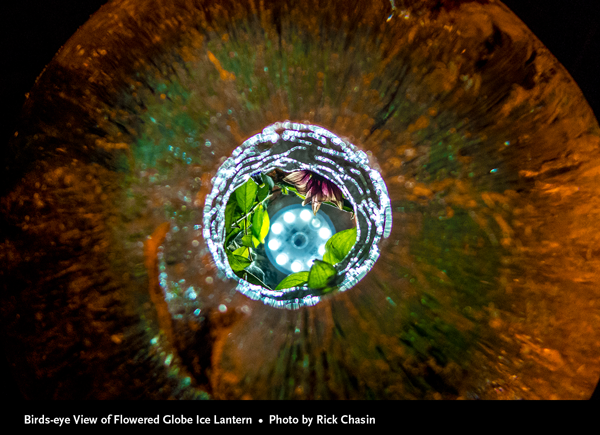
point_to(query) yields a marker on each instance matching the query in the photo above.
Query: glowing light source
(321, 249)
(283, 258)
(295, 237)
(289, 217)
(305, 215)
(325, 233)
(274, 244)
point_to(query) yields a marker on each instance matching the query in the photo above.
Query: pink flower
(316, 189)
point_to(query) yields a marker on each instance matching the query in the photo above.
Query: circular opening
(299, 240)
(302, 240)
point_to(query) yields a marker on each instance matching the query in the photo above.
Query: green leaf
(237, 262)
(339, 245)
(242, 251)
(287, 188)
(252, 279)
(230, 214)
(232, 235)
(245, 195)
(250, 241)
(267, 180)
(348, 206)
(260, 223)
(321, 275)
(247, 241)
(293, 280)
(263, 192)
(348, 209)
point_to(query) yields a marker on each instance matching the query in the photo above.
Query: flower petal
(316, 189)
(316, 205)
(299, 180)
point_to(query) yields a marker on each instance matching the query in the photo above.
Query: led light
(305, 215)
(282, 258)
(321, 249)
(325, 233)
(296, 234)
(274, 244)
(289, 217)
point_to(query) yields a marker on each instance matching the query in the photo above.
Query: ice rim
(292, 147)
